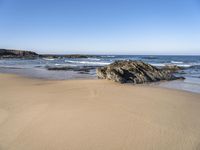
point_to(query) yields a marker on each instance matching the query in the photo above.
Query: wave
(94, 59)
(49, 59)
(88, 62)
(108, 56)
(184, 65)
(57, 64)
(65, 65)
(164, 64)
(195, 67)
(176, 62)
(158, 65)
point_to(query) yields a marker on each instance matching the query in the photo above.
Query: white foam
(109, 56)
(58, 64)
(88, 62)
(158, 65)
(176, 62)
(185, 65)
(65, 65)
(162, 65)
(94, 59)
(49, 59)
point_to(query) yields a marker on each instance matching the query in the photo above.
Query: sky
(101, 26)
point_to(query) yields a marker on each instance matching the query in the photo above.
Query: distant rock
(172, 68)
(67, 56)
(6, 53)
(80, 69)
(135, 72)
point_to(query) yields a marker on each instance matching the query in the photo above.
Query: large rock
(136, 72)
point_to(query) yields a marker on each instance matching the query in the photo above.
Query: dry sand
(95, 115)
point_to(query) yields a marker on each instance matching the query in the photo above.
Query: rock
(6, 53)
(172, 68)
(73, 56)
(80, 69)
(135, 72)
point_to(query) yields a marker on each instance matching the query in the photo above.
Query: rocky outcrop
(73, 56)
(5, 53)
(80, 69)
(172, 68)
(135, 72)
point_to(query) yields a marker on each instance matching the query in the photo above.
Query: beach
(92, 114)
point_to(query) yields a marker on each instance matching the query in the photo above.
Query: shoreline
(84, 68)
(155, 85)
(159, 84)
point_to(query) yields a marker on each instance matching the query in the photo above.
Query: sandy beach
(95, 115)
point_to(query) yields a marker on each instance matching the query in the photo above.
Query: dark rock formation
(7, 53)
(172, 68)
(67, 56)
(80, 69)
(4, 53)
(135, 72)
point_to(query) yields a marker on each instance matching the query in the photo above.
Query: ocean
(38, 68)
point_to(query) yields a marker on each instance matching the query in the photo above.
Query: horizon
(104, 54)
(103, 27)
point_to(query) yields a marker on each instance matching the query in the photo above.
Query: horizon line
(39, 53)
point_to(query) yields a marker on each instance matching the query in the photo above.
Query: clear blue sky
(101, 26)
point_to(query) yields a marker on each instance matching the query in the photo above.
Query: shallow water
(186, 85)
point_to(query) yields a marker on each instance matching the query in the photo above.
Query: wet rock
(172, 68)
(81, 69)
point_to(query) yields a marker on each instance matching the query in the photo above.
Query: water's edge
(84, 68)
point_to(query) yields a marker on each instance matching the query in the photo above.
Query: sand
(95, 115)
